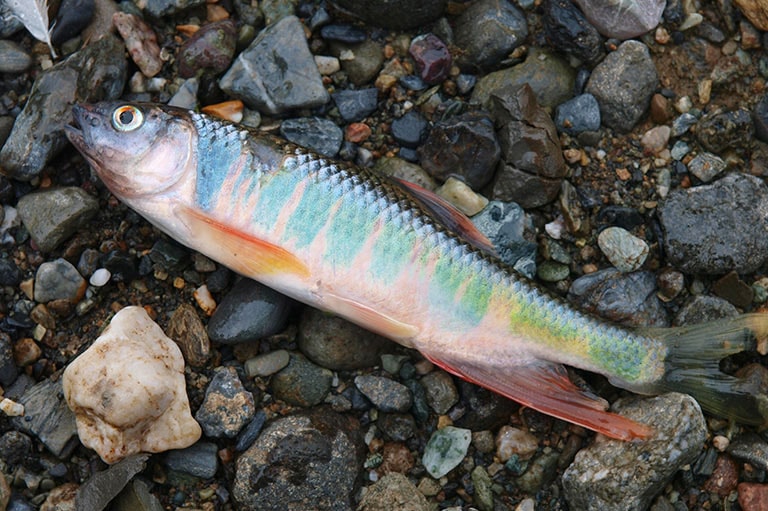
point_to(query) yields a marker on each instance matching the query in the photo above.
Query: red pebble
(753, 496)
(433, 60)
(357, 132)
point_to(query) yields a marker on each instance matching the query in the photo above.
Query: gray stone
(385, 394)
(337, 344)
(250, 311)
(704, 225)
(441, 391)
(625, 251)
(751, 448)
(487, 32)
(394, 491)
(160, 8)
(365, 62)
(95, 73)
(227, 405)
(267, 364)
(8, 370)
(626, 298)
(200, 460)
(623, 84)
(613, 475)
(721, 131)
(277, 72)
(97, 492)
(706, 166)
(47, 416)
(136, 497)
(9, 24)
(13, 58)
(53, 215)
(550, 76)
(320, 135)
(59, 280)
(505, 223)
(392, 13)
(305, 461)
(579, 114)
(623, 19)
(302, 383)
(401, 169)
(355, 105)
(702, 309)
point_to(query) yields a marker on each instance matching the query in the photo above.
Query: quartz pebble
(512, 441)
(100, 277)
(445, 449)
(460, 195)
(128, 390)
(625, 251)
(141, 42)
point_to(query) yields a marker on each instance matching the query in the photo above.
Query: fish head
(137, 149)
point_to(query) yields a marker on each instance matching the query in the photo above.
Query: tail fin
(693, 366)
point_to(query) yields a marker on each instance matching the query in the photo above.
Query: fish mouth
(74, 132)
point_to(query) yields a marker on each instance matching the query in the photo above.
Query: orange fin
(451, 217)
(242, 252)
(369, 318)
(546, 387)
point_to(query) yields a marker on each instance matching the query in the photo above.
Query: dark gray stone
(487, 32)
(387, 395)
(702, 309)
(58, 280)
(726, 130)
(200, 460)
(277, 72)
(250, 311)
(623, 20)
(568, 30)
(53, 215)
(410, 130)
(623, 84)
(703, 225)
(47, 416)
(395, 14)
(72, 17)
(160, 8)
(13, 58)
(302, 383)
(98, 491)
(8, 370)
(305, 461)
(320, 135)
(579, 114)
(355, 105)
(227, 405)
(95, 73)
(504, 223)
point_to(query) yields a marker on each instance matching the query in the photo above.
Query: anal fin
(546, 387)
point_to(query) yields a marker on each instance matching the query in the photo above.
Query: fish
(398, 260)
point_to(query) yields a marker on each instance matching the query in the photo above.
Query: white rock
(128, 391)
(100, 277)
(327, 65)
(624, 250)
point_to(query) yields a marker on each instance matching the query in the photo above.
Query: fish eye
(127, 118)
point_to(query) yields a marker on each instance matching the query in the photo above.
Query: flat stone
(52, 216)
(393, 491)
(99, 490)
(625, 251)
(487, 32)
(47, 416)
(623, 19)
(321, 135)
(445, 449)
(200, 460)
(59, 280)
(387, 395)
(227, 405)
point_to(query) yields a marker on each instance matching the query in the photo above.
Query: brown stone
(724, 477)
(756, 11)
(397, 458)
(187, 330)
(753, 496)
(660, 109)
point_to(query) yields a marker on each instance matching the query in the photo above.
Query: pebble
(706, 166)
(504, 224)
(141, 42)
(337, 344)
(391, 14)
(512, 441)
(551, 271)
(401, 169)
(397, 426)
(487, 32)
(464, 145)
(356, 105)
(227, 406)
(344, 33)
(393, 491)
(730, 287)
(59, 280)
(302, 383)
(47, 417)
(14, 447)
(679, 150)
(410, 129)
(623, 21)
(623, 84)
(625, 298)
(200, 460)
(577, 115)
(456, 192)
(8, 370)
(751, 448)
(102, 487)
(38, 134)
(326, 66)
(387, 395)
(445, 450)
(533, 165)
(726, 130)
(590, 482)
(441, 391)
(100, 277)
(252, 79)
(210, 49)
(319, 134)
(361, 62)
(625, 251)
(10, 275)
(753, 496)
(432, 57)
(703, 308)
(655, 139)
(725, 214)
(670, 282)
(267, 364)
(760, 116)
(251, 431)
(187, 330)
(724, 478)
(53, 215)
(311, 457)
(72, 18)
(13, 58)
(249, 311)
(568, 30)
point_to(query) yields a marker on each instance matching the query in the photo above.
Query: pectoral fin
(546, 387)
(370, 318)
(242, 252)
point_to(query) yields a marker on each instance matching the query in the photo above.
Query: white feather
(34, 15)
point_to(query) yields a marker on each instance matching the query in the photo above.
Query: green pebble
(483, 492)
(550, 271)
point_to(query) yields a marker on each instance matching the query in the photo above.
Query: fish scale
(396, 259)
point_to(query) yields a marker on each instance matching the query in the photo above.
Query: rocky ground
(627, 176)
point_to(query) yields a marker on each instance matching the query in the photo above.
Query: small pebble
(655, 139)
(460, 195)
(387, 395)
(706, 166)
(267, 364)
(327, 65)
(445, 449)
(100, 277)
(205, 300)
(141, 42)
(625, 251)
(515, 442)
(720, 443)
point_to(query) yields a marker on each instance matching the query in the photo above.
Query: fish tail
(693, 360)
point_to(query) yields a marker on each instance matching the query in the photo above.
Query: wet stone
(227, 406)
(623, 84)
(169, 255)
(441, 391)
(8, 370)
(410, 129)
(366, 61)
(407, 171)
(724, 478)
(250, 311)
(702, 225)
(310, 457)
(302, 383)
(593, 480)
(337, 344)
(387, 395)
(121, 265)
(568, 30)
(252, 77)
(267, 364)
(625, 251)
(13, 58)
(188, 331)
(445, 449)
(102, 487)
(58, 280)
(626, 298)
(51, 216)
(463, 145)
(14, 447)
(160, 8)
(210, 49)
(10, 275)
(343, 33)
(141, 42)
(199, 460)
(682, 123)
(73, 16)
(753, 496)
(487, 32)
(95, 73)
(577, 115)
(751, 448)
(706, 166)
(552, 271)
(397, 426)
(251, 431)
(320, 135)
(726, 130)
(355, 105)
(730, 287)
(504, 224)
(394, 491)
(622, 20)
(432, 58)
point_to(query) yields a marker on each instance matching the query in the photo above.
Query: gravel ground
(628, 177)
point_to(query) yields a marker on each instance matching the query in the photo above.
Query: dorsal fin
(447, 214)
